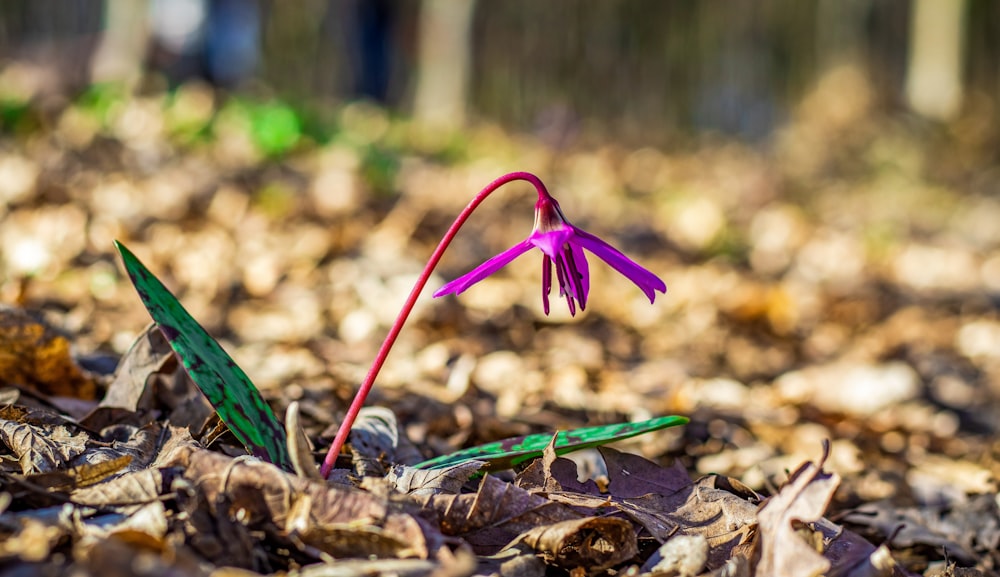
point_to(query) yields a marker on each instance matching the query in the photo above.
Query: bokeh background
(641, 72)
(816, 182)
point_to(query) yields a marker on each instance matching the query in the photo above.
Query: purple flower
(561, 243)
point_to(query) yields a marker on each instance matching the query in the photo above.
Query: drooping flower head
(562, 245)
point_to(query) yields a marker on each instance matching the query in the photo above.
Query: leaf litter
(787, 323)
(164, 491)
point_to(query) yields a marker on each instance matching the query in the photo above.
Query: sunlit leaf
(234, 396)
(507, 453)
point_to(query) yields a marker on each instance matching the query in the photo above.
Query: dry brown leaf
(101, 461)
(82, 475)
(495, 514)
(631, 475)
(150, 377)
(423, 482)
(34, 416)
(376, 440)
(150, 354)
(727, 520)
(355, 540)
(132, 488)
(851, 555)
(259, 493)
(373, 441)
(795, 515)
(148, 524)
(299, 446)
(335, 540)
(591, 544)
(41, 449)
(139, 486)
(713, 507)
(552, 474)
(217, 532)
(799, 503)
(35, 356)
(966, 530)
(328, 542)
(144, 444)
(110, 421)
(90, 474)
(514, 561)
(680, 556)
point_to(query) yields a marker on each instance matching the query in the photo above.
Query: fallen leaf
(496, 514)
(681, 555)
(259, 493)
(967, 531)
(631, 475)
(592, 544)
(795, 514)
(142, 483)
(514, 561)
(299, 447)
(40, 448)
(149, 355)
(149, 520)
(33, 355)
(423, 482)
(709, 507)
(802, 501)
(375, 440)
(81, 475)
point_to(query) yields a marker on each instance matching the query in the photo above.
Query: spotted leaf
(508, 453)
(223, 382)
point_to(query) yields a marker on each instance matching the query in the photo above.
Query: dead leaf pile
(164, 497)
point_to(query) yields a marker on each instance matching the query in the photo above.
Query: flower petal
(551, 242)
(484, 270)
(546, 282)
(565, 288)
(645, 280)
(580, 272)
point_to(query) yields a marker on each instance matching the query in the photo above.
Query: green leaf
(507, 453)
(234, 396)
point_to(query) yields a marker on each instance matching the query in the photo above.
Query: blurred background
(816, 182)
(641, 72)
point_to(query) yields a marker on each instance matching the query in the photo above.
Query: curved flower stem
(390, 339)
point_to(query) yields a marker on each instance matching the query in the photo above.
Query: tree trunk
(934, 70)
(443, 67)
(119, 57)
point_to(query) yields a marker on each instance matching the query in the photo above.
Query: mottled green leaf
(507, 453)
(234, 396)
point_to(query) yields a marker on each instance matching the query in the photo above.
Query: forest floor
(830, 328)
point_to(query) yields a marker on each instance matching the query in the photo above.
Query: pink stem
(390, 339)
